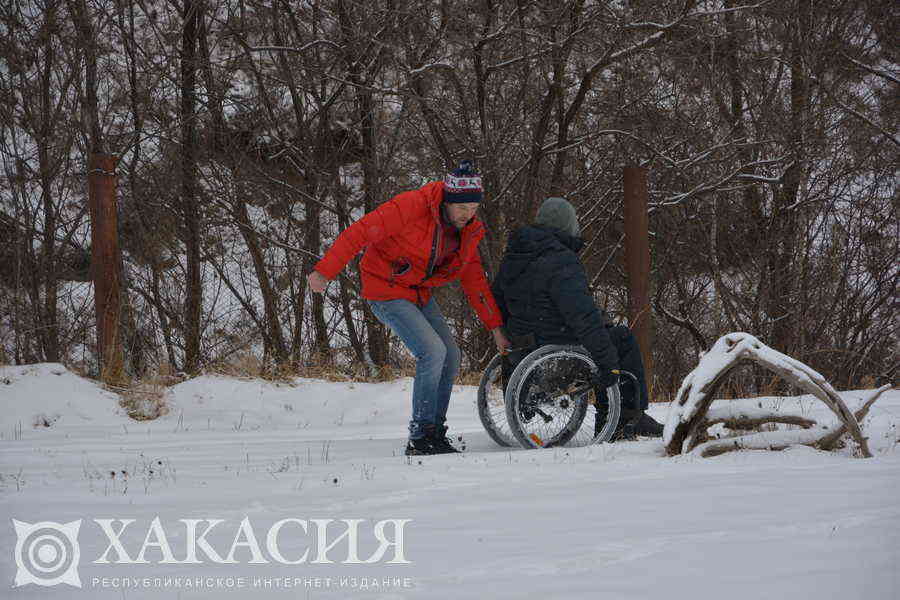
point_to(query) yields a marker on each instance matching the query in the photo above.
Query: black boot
(625, 429)
(420, 447)
(627, 422)
(441, 442)
(435, 441)
(647, 426)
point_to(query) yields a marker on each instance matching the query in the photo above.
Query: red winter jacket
(401, 239)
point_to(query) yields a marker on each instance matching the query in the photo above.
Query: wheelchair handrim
(535, 360)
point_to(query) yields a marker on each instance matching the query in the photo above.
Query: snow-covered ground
(611, 521)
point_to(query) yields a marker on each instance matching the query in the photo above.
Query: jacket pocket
(400, 267)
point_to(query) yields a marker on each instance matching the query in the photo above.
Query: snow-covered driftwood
(737, 417)
(820, 437)
(689, 416)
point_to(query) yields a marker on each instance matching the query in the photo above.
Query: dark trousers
(630, 360)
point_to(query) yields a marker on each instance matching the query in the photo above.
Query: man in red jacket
(415, 242)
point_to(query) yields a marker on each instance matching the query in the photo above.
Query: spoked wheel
(492, 404)
(551, 402)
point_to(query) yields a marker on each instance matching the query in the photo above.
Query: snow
(611, 521)
(48, 392)
(745, 408)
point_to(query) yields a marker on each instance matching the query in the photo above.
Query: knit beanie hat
(463, 184)
(558, 213)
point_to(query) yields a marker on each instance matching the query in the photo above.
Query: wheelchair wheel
(550, 400)
(492, 405)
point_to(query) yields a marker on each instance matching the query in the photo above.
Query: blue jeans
(426, 334)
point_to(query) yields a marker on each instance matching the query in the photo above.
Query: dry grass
(113, 372)
(248, 365)
(360, 373)
(469, 378)
(147, 398)
(734, 388)
(868, 382)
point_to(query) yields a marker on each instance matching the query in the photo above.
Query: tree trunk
(190, 204)
(376, 333)
(321, 347)
(106, 261)
(47, 317)
(346, 310)
(272, 330)
(781, 308)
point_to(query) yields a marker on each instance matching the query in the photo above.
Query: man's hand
(317, 282)
(503, 344)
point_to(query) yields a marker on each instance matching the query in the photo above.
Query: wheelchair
(548, 400)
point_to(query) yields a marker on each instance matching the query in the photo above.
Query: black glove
(604, 378)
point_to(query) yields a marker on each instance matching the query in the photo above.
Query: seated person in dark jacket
(542, 291)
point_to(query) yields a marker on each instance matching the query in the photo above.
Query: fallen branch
(767, 440)
(781, 440)
(829, 441)
(742, 416)
(687, 423)
(750, 423)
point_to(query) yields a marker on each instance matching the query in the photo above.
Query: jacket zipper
(435, 248)
(438, 234)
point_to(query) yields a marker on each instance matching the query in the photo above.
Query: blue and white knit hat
(463, 184)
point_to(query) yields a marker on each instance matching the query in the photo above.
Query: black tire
(543, 364)
(492, 405)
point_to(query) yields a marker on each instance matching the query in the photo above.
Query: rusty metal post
(637, 263)
(105, 263)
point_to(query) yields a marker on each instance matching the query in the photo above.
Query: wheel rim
(549, 412)
(546, 413)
